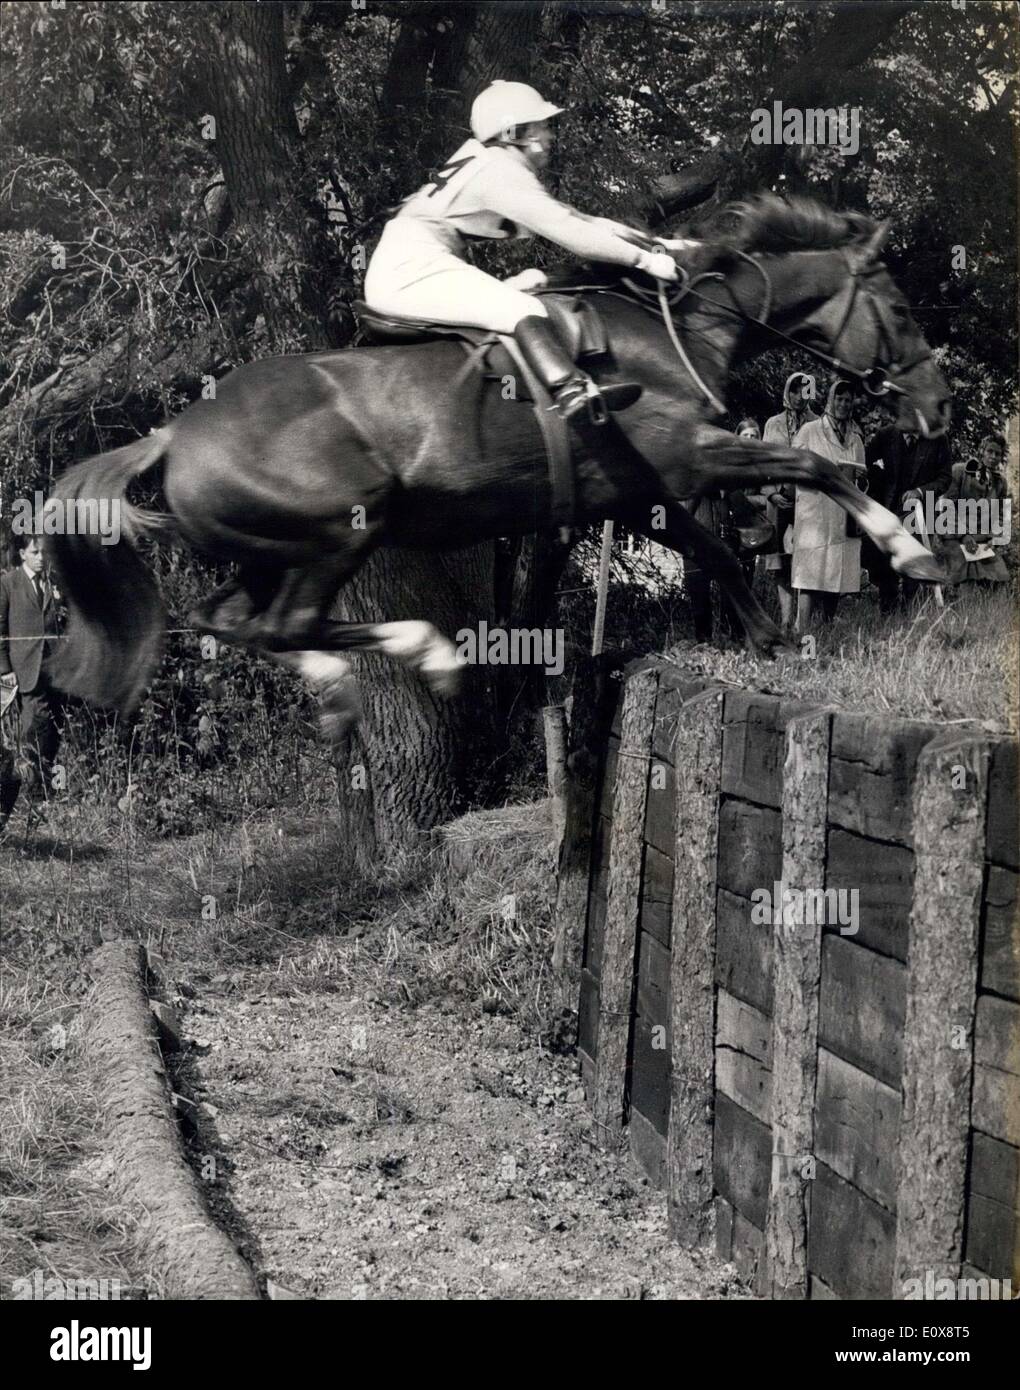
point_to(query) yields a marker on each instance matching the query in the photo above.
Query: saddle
(496, 355)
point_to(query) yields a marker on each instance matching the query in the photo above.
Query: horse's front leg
(726, 461)
(682, 532)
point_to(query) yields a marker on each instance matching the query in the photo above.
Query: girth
(495, 356)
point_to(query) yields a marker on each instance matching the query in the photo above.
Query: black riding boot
(571, 389)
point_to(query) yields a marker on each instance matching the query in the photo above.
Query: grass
(957, 663)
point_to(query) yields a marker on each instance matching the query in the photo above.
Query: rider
(489, 189)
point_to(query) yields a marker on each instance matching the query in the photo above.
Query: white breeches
(415, 276)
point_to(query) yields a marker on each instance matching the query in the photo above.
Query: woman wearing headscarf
(825, 557)
(778, 497)
(968, 552)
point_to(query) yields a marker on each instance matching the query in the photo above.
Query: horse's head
(849, 308)
(882, 337)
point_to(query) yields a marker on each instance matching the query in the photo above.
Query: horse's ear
(871, 250)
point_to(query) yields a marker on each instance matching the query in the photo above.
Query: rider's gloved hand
(528, 280)
(657, 264)
(680, 244)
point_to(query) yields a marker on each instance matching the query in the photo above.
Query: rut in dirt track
(380, 1151)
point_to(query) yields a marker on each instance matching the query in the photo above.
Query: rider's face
(539, 138)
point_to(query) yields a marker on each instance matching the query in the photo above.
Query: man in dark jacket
(29, 620)
(902, 467)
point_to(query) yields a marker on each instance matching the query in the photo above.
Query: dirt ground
(367, 1150)
(371, 1095)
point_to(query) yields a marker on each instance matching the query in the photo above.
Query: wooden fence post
(950, 807)
(698, 744)
(616, 986)
(796, 971)
(602, 588)
(554, 726)
(589, 730)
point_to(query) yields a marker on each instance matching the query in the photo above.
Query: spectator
(10, 778)
(751, 533)
(877, 414)
(826, 559)
(968, 552)
(902, 468)
(28, 622)
(778, 498)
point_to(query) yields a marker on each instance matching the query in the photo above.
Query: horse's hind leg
(274, 611)
(331, 679)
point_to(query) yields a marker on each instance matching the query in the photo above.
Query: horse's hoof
(334, 725)
(339, 712)
(771, 643)
(925, 567)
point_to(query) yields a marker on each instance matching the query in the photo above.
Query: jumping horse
(302, 465)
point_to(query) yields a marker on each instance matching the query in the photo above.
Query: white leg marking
(330, 677)
(318, 668)
(407, 641)
(420, 645)
(890, 535)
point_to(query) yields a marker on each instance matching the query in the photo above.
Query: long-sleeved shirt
(490, 191)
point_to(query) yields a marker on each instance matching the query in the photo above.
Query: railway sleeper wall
(797, 1091)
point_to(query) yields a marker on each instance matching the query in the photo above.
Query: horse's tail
(114, 637)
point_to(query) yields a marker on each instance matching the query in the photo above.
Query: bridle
(874, 379)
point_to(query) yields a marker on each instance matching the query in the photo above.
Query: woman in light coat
(826, 557)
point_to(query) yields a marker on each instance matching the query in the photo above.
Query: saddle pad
(580, 328)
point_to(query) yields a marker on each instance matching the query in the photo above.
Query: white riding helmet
(506, 104)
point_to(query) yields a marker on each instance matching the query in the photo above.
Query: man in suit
(902, 467)
(29, 612)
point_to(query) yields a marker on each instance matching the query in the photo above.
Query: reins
(873, 379)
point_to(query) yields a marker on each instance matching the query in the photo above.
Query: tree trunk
(424, 759)
(415, 760)
(410, 764)
(244, 79)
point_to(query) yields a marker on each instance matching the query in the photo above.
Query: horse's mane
(769, 223)
(764, 222)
